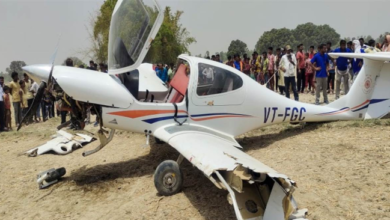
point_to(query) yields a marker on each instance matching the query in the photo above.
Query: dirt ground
(341, 169)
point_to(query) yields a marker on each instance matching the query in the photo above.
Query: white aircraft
(201, 119)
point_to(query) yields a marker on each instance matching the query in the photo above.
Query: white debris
(62, 143)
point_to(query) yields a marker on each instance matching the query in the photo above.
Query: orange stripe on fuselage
(361, 105)
(216, 117)
(143, 113)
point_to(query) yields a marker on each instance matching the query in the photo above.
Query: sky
(30, 29)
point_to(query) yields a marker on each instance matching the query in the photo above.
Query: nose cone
(39, 72)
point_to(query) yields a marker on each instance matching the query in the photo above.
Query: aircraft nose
(39, 72)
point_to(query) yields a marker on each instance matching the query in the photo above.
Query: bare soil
(342, 171)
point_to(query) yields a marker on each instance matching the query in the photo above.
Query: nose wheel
(168, 178)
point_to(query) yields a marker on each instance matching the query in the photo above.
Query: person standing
(7, 105)
(16, 101)
(357, 63)
(218, 58)
(271, 68)
(230, 61)
(342, 69)
(371, 47)
(263, 76)
(28, 94)
(237, 62)
(255, 65)
(385, 45)
(208, 72)
(288, 67)
(309, 75)
(34, 90)
(170, 72)
(23, 99)
(320, 63)
(311, 52)
(2, 105)
(247, 67)
(91, 65)
(301, 69)
(331, 76)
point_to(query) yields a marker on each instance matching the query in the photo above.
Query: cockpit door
(217, 85)
(134, 25)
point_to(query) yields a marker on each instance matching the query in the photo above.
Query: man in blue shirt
(342, 69)
(320, 63)
(162, 73)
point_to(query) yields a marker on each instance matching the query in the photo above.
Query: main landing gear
(168, 178)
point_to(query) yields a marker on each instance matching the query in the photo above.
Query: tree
(171, 40)
(307, 34)
(76, 61)
(223, 56)
(237, 47)
(16, 66)
(310, 34)
(275, 38)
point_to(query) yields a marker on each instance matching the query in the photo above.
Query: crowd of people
(21, 94)
(306, 71)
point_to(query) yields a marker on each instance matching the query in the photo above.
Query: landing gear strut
(168, 178)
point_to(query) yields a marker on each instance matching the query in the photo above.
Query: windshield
(134, 24)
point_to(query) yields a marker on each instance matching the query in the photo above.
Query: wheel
(168, 178)
(158, 141)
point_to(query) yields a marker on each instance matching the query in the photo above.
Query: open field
(342, 171)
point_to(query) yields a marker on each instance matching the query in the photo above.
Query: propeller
(39, 95)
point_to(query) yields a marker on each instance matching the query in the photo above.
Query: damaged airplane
(201, 119)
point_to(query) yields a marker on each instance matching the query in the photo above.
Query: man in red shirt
(301, 69)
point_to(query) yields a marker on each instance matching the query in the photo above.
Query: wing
(256, 190)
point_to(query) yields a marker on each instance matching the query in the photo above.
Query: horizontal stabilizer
(372, 56)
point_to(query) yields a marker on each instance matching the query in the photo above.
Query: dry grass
(341, 169)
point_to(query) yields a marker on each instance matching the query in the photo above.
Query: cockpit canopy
(134, 24)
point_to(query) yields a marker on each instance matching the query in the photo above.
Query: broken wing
(256, 190)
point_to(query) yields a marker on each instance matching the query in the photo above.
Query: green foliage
(16, 66)
(237, 47)
(76, 61)
(171, 41)
(101, 30)
(7, 77)
(308, 34)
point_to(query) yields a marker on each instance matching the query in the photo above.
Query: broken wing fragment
(62, 143)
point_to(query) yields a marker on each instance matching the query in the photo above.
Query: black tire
(158, 141)
(168, 178)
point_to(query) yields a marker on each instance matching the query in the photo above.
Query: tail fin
(369, 96)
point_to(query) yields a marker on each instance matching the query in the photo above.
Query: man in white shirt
(34, 90)
(2, 106)
(209, 73)
(288, 65)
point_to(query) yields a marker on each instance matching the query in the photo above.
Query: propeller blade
(50, 80)
(35, 104)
